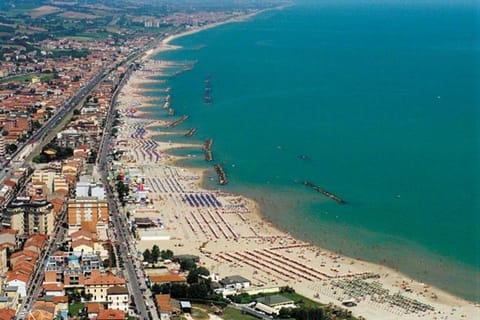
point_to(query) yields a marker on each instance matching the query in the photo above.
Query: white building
(117, 298)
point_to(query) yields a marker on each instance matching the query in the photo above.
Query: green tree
(285, 313)
(155, 253)
(194, 274)
(187, 265)
(36, 125)
(166, 254)
(147, 256)
(11, 148)
(178, 290)
(197, 290)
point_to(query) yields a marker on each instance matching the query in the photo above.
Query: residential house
(111, 314)
(98, 284)
(117, 298)
(93, 309)
(165, 306)
(7, 314)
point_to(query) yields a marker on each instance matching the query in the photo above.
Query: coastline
(272, 237)
(164, 44)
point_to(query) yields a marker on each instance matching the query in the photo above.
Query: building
(87, 213)
(3, 147)
(7, 314)
(30, 217)
(167, 278)
(166, 306)
(54, 181)
(53, 289)
(235, 282)
(18, 280)
(110, 314)
(271, 304)
(99, 283)
(93, 309)
(9, 239)
(3, 260)
(117, 298)
(88, 189)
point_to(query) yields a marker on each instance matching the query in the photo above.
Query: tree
(11, 148)
(92, 157)
(197, 290)
(194, 274)
(36, 125)
(147, 256)
(155, 253)
(178, 290)
(166, 254)
(76, 112)
(187, 265)
(285, 313)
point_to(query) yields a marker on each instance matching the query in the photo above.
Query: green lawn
(308, 303)
(199, 314)
(74, 308)
(234, 314)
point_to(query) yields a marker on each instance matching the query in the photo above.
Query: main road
(17, 158)
(134, 273)
(36, 281)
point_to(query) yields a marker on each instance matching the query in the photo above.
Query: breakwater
(222, 176)
(208, 90)
(191, 132)
(324, 192)
(177, 122)
(207, 148)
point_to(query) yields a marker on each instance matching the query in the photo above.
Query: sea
(374, 101)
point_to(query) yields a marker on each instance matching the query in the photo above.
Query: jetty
(222, 176)
(207, 148)
(178, 121)
(324, 192)
(190, 132)
(168, 99)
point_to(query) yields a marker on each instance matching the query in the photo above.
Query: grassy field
(234, 314)
(299, 299)
(44, 77)
(199, 314)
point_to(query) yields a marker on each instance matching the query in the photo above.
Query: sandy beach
(230, 235)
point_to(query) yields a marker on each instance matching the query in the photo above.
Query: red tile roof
(7, 314)
(111, 314)
(104, 279)
(163, 302)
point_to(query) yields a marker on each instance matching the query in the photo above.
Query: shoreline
(387, 275)
(164, 44)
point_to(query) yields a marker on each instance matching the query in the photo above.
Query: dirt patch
(77, 15)
(44, 10)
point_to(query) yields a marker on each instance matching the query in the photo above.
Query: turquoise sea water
(382, 101)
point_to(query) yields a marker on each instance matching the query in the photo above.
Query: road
(17, 158)
(134, 274)
(35, 285)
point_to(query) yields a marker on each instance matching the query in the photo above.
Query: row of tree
(152, 256)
